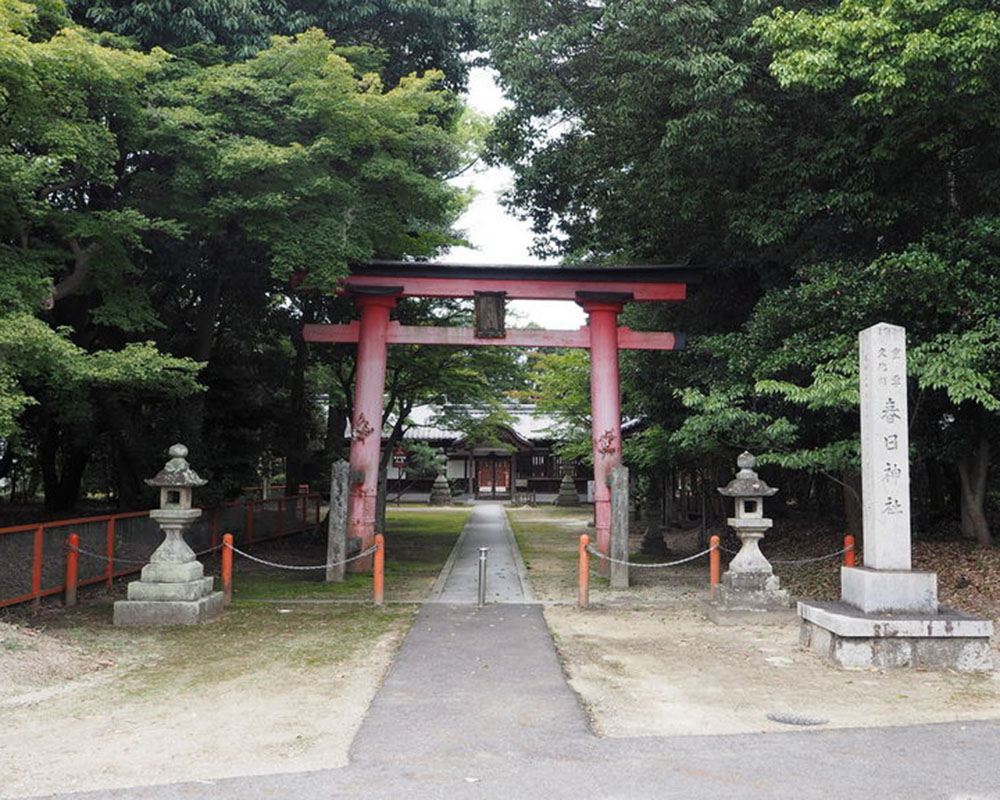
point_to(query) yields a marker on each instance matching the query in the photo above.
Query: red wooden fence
(33, 557)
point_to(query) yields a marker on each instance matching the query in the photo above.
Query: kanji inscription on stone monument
(885, 466)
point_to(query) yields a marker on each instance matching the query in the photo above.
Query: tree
(150, 198)
(68, 100)
(831, 167)
(404, 37)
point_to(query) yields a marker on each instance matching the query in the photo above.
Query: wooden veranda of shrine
(601, 291)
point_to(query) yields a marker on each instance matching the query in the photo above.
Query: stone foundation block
(191, 590)
(171, 572)
(168, 612)
(850, 638)
(878, 591)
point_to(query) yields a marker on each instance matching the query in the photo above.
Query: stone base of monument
(850, 637)
(170, 594)
(750, 598)
(440, 492)
(567, 493)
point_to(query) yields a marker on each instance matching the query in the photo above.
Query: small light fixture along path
(173, 589)
(749, 585)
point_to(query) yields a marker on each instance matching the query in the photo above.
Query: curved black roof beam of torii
(654, 282)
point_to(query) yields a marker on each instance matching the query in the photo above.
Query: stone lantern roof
(177, 473)
(747, 483)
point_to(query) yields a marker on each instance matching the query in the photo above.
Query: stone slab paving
(476, 706)
(505, 580)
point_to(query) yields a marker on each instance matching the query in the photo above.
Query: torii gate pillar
(605, 409)
(366, 424)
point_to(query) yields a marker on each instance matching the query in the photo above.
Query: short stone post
(336, 537)
(440, 491)
(568, 495)
(173, 589)
(618, 481)
(749, 584)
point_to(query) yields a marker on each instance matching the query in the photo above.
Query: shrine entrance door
(493, 476)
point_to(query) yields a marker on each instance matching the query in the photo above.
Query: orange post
(72, 567)
(848, 551)
(378, 571)
(38, 545)
(227, 568)
(714, 565)
(583, 591)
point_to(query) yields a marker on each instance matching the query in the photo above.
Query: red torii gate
(601, 291)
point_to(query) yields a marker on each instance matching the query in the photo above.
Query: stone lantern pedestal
(568, 495)
(173, 589)
(440, 490)
(750, 585)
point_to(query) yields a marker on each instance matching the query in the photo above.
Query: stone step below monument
(852, 638)
(189, 590)
(168, 612)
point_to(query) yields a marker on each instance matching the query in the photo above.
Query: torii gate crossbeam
(601, 291)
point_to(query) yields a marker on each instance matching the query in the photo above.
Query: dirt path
(264, 690)
(647, 662)
(668, 671)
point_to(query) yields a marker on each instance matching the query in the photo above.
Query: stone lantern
(750, 583)
(173, 589)
(567, 486)
(440, 491)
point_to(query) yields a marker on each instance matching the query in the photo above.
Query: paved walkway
(476, 706)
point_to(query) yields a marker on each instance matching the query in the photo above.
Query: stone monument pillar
(440, 491)
(173, 589)
(889, 615)
(568, 495)
(749, 586)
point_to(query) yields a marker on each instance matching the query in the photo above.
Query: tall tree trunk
(936, 488)
(335, 444)
(128, 454)
(853, 514)
(652, 509)
(193, 419)
(61, 486)
(298, 418)
(972, 470)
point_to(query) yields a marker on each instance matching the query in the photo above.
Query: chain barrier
(102, 557)
(811, 560)
(117, 560)
(367, 552)
(795, 561)
(594, 552)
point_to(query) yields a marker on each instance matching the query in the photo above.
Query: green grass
(549, 537)
(418, 542)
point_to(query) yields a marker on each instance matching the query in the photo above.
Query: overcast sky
(498, 237)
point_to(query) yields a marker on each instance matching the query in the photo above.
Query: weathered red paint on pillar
(227, 568)
(849, 551)
(583, 573)
(366, 427)
(72, 567)
(605, 410)
(714, 566)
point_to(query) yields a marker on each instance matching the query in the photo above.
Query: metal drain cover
(796, 719)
